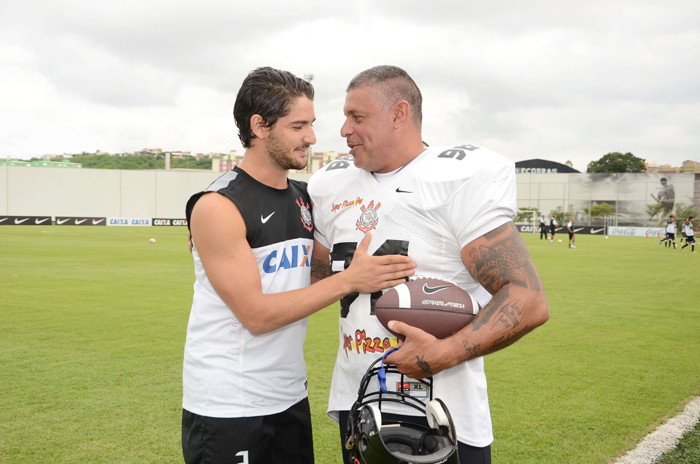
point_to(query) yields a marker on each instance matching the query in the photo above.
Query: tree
(599, 211)
(683, 211)
(617, 162)
(654, 210)
(563, 215)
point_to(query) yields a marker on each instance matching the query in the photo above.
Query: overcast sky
(559, 80)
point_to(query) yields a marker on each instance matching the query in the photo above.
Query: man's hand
(369, 274)
(421, 355)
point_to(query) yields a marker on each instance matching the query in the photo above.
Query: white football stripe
(336, 266)
(404, 296)
(475, 304)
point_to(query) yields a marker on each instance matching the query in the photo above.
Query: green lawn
(93, 323)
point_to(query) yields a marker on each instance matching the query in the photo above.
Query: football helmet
(372, 439)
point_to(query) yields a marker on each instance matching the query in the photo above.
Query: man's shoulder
(461, 162)
(330, 176)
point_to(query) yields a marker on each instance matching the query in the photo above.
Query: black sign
(584, 230)
(80, 221)
(25, 220)
(169, 222)
(540, 166)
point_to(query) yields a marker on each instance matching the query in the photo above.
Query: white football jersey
(689, 229)
(671, 227)
(438, 203)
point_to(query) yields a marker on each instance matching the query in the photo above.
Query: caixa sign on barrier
(637, 231)
(169, 222)
(115, 221)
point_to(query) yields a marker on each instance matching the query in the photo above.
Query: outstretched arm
(500, 262)
(219, 235)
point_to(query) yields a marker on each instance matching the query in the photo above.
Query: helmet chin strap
(381, 373)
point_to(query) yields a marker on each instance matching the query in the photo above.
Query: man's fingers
(364, 243)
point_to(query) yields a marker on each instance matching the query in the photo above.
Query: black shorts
(690, 239)
(283, 438)
(571, 235)
(670, 236)
(552, 230)
(467, 454)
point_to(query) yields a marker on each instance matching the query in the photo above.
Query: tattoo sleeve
(500, 262)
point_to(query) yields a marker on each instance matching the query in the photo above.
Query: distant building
(687, 167)
(54, 164)
(13, 162)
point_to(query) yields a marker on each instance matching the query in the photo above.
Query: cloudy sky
(559, 80)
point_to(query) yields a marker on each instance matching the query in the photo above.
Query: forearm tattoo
(320, 269)
(497, 264)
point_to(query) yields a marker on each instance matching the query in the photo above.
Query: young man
(451, 210)
(553, 227)
(572, 235)
(683, 235)
(244, 375)
(670, 233)
(543, 227)
(690, 234)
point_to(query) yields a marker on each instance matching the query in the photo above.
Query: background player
(670, 239)
(244, 375)
(543, 227)
(451, 210)
(553, 227)
(572, 234)
(690, 234)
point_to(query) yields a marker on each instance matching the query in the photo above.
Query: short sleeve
(486, 201)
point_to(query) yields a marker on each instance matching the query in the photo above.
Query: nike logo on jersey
(78, 222)
(398, 190)
(61, 221)
(17, 221)
(595, 231)
(431, 290)
(36, 221)
(96, 221)
(264, 220)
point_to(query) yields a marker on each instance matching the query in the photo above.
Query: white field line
(664, 438)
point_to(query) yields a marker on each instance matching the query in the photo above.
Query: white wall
(34, 191)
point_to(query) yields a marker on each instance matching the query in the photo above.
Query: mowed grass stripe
(94, 319)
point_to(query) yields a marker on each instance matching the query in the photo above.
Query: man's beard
(282, 154)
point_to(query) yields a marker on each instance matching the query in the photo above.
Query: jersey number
(457, 152)
(343, 252)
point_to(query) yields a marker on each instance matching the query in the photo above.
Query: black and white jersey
(570, 226)
(671, 227)
(689, 229)
(229, 372)
(429, 210)
(553, 223)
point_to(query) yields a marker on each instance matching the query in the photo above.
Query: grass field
(93, 321)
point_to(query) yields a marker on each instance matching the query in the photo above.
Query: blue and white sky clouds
(560, 80)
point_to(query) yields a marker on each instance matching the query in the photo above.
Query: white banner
(114, 221)
(637, 231)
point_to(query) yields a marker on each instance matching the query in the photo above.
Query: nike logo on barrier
(17, 221)
(80, 221)
(431, 290)
(3, 219)
(264, 220)
(398, 190)
(61, 221)
(36, 221)
(595, 231)
(576, 230)
(96, 221)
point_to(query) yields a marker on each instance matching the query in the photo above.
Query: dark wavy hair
(269, 93)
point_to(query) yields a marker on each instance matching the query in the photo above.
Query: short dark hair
(269, 93)
(396, 85)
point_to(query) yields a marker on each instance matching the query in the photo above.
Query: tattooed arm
(320, 263)
(500, 262)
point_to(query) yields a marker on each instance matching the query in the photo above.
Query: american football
(437, 306)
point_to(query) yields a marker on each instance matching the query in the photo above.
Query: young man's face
(367, 128)
(289, 139)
